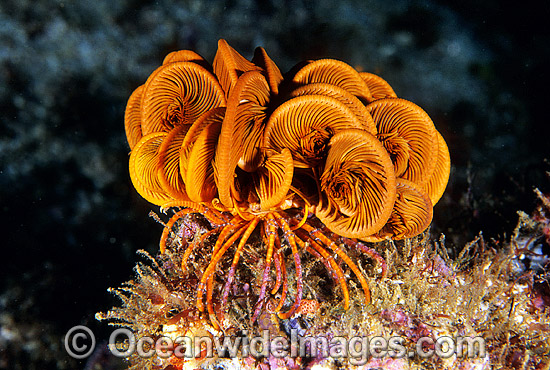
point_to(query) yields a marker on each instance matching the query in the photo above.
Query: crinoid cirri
(315, 160)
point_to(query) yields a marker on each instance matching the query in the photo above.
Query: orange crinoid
(310, 159)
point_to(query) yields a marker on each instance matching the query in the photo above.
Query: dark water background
(71, 219)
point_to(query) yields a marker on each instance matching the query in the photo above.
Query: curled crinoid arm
(338, 93)
(212, 117)
(438, 181)
(358, 185)
(229, 65)
(168, 166)
(409, 136)
(336, 73)
(143, 168)
(305, 125)
(273, 179)
(250, 112)
(177, 94)
(132, 118)
(378, 87)
(199, 179)
(269, 69)
(241, 133)
(186, 56)
(411, 215)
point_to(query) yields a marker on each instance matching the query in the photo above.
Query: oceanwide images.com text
(79, 343)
